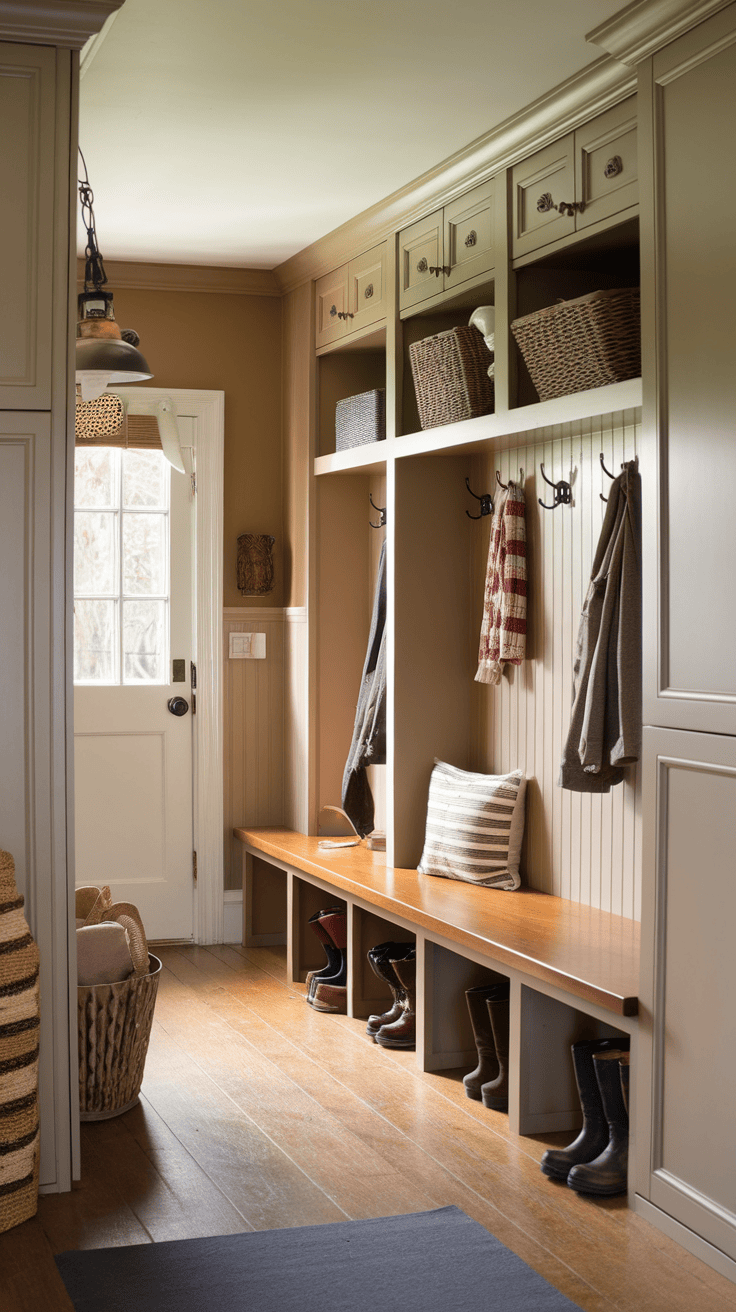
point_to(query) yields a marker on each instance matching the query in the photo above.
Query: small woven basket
(360, 419)
(581, 344)
(451, 376)
(114, 1026)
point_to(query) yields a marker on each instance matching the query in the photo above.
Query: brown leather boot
(402, 1033)
(329, 992)
(332, 954)
(379, 959)
(495, 1094)
(487, 1068)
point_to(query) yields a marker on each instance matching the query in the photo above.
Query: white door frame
(207, 762)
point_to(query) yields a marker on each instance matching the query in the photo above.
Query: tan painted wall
(230, 343)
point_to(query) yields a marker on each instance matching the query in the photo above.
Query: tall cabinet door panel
(690, 663)
(689, 984)
(27, 98)
(470, 236)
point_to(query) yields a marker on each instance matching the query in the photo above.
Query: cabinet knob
(614, 166)
(368, 291)
(545, 203)
(565, 207)
(333, 311)
(471, 238)
(422, 266)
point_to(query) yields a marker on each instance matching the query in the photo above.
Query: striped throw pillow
(475, 826)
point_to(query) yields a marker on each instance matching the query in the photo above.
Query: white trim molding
(644, 27)
(221, 280)
(66, 23)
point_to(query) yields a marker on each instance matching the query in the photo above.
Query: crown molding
(187, 278)
(644, 27)
(67, 23)
(590, 92)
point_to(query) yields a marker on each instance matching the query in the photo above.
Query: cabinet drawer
(421, 249)
(470, 234)
(538, 182)
(606, 178)
(331, 306)
(366, 299)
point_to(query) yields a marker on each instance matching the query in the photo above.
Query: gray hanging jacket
(368, 746)
(605, 726)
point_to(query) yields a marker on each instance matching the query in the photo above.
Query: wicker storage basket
(360, 419)
(451, 376)
(19, 1030)
(584, 343)
(114, 1026)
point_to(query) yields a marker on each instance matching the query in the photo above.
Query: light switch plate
(247, 646)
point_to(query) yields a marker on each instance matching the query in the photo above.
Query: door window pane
(144, 555)
(144, 482)
(95, 552)
(143, 642)
(95, 644)
(95, 470)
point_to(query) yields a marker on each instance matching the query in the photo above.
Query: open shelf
(369, 459)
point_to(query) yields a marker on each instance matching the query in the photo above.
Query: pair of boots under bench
(488, 1005)
(395, 963)
(327, 987)
(595, 1163)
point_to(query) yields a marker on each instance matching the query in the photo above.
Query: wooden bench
(573, 969)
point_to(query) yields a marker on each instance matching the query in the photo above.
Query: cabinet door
(421, 250)
(687, 1093)
(366, 301)
(539, 183)
(470, 234)
(27, 99)
(606, 174)
(331, 307)
(690, 388)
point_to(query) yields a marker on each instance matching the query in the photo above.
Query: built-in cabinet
(449, 248)
(687, 1090)
(351, 297)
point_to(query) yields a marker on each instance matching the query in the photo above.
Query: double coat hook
(486, 502)
(562, 492)
(381, 514)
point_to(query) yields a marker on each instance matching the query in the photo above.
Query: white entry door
(133, 650)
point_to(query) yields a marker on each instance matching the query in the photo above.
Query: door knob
(178, 705)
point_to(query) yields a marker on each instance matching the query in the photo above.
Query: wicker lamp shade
(19, 1029)
(255, 564)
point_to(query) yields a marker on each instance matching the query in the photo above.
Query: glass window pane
(144, 555)
(95, 642)
(95, 470)
(143, 479)
(144, 642)
(95, 551)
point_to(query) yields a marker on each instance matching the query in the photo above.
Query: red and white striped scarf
(503, 631)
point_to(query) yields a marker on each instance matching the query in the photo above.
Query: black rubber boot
(495, 1094)
(557, 1162)
(334, 957)
(402, 1033)
(606, 1174)
(623, 1067)
(380, 959)
(329, 992)
(487, 1068)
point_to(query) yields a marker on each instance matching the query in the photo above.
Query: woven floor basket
(19, 1027)
(581, 344)
(451, 377)
(114, 1024)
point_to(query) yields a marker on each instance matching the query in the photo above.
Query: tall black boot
(487, 1068)
(606, 1174)
(557, 1162)
(334, 957)
(495, 1094)
(329, 992)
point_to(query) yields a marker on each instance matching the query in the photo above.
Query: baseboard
(713, 1257)
(232, 930)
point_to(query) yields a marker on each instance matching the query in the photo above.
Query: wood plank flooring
(258, 1112)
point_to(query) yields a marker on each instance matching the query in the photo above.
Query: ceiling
(237, 132)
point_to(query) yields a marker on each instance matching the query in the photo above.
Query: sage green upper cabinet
(27, 99)
(449, 248)
(351, 297)
(584, 179)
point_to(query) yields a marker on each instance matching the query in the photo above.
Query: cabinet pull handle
(346, 315)
(471, 238)
(437, 269)
(614, 166)
(565, 207)
(333, 311)
(422, 266)
(368, 291)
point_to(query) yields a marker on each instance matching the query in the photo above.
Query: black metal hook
(486, 503)
(382, 512)
(505, 486)
(563, 492)
(605, 471)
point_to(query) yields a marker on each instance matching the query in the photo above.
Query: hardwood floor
(259, 1112)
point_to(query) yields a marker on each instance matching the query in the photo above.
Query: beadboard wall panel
(253, 705)
(578, 846)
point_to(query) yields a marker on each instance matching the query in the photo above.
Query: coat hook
(381, 511)
(486, 503)
(563, 492)
(505, 486)
(605, 471)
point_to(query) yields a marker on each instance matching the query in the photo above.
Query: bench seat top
(591, 954)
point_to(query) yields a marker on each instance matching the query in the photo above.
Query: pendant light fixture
(104, 353)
